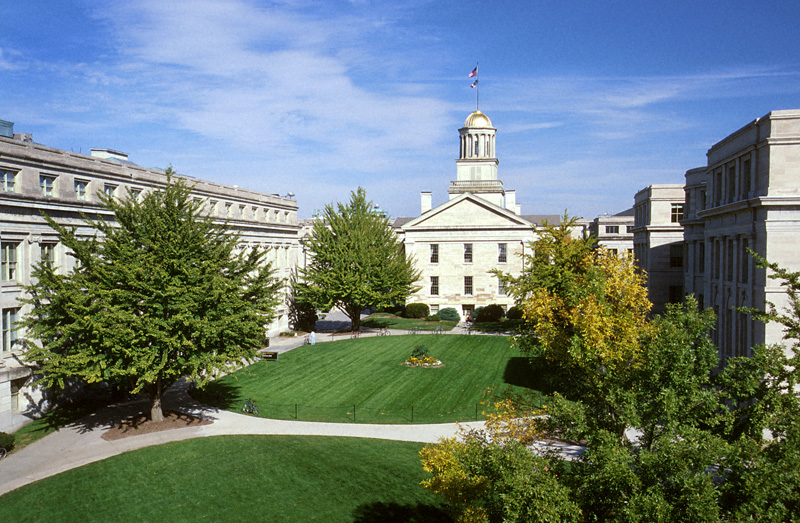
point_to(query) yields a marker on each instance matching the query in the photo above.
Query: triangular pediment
(467, 210)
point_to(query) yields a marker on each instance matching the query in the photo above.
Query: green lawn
(498, 326)
(327, 381)
(239, 478)
(380, 320)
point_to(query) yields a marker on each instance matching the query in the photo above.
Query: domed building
(479, 228)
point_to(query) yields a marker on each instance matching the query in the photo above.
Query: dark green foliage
(419, 352)
(514, 313)
(356, 261)
(449, 314)
(417, 310)
(6, 440)
(433, 317)
(160, 293)
(302, 313)
(490, 313)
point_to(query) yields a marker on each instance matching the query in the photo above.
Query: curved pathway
(81, 442)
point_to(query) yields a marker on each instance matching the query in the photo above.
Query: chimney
(425, 200)
(511, 201)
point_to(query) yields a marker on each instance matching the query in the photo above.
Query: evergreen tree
(357, 261)
(159, 293)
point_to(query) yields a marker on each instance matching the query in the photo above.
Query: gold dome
(477, 119)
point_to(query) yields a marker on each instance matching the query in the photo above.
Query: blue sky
(592, 100)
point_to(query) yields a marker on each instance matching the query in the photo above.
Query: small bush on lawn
(433, 317)
(419, 352)
(490, 313)
(6, 440)
(514, 313)
(417, 310)
(449, 314)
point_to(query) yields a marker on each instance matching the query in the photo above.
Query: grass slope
(238, 478)
(326, 381)
(380, 320)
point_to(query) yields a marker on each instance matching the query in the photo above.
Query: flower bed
(425, 361)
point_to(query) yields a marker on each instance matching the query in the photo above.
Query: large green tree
(356, 260)
(158, 293)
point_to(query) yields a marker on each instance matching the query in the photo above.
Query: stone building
(658, 242)
(480, 228)
(614, 232)
(747, 197)
(38, 179)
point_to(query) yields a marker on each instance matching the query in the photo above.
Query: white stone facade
(658, 242)
(456, 245)
(748, 196)
(62, 184)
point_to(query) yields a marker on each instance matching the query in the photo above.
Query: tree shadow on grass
(376, 323)
(397, 513)
(221, 395)
(531, 374)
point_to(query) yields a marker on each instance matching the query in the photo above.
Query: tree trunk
(156, 414)
(354, 313)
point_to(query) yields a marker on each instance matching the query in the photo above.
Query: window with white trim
(47, 184)
(110, 190)
(9, 257)
(48, 252)
(467, 253)
(502, 253)
(80, 189)
(501, 288)
(8, 180)
(10, 330)
(434, 253)
(468, 285)
(434, 285)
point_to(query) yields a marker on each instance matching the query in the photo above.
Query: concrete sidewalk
(80, 443)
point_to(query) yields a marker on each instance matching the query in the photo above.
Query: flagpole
(477, 86)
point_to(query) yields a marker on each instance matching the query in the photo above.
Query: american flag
(474, 72)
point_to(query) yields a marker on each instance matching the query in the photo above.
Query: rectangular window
(746, 185)
(8, 261)
(110, 190)
(701, 256)
(502, 253)
(434, 253)
(434, 285)
(729, 262)
(136, 194)
(434, 308)
(612, 229)
(467, 253)
(629, 229)
(676, 214)
(48, 253)
(48, 185)
(80, 189)
(613, 251)
(703, 200)
(676, 255)
(744, 263)
(229, 210)
(468, 285)
(675, 294)
(731, 183)
(501, 288)
(9, 180)
(10, 329)
(718, 187)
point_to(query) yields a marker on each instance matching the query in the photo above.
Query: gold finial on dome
(477, 119)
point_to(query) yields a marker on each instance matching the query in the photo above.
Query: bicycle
(250, 407)
(3, 452)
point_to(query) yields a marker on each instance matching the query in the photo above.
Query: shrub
(514, 313)
(419, 352)
(490, 313)
(417, 310)
(6, 440)
(449, 314)
(433, 317)
(475, 313)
